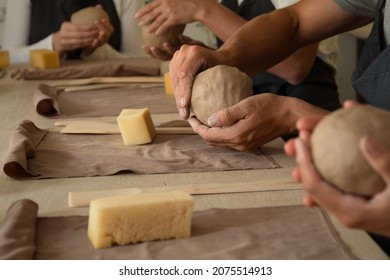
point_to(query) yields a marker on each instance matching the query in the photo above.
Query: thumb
(225, 117)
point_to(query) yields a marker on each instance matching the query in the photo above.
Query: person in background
(44, 24)
(294, 27)
(307, 74)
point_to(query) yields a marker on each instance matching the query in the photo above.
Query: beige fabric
(17, 232)
(79, 69)
(35, 153)
(256, 233)
(51, 101)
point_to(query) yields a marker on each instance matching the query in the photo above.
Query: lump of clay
(336, 153)
(217, 88)
(88, 15)
(171, 35)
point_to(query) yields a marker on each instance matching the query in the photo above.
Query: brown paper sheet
(79, 69)
(36, 154)
(50, 101)
(289, 232)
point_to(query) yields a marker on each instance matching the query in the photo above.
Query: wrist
(298, 108)
(203, 10)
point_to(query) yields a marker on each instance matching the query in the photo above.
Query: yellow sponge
(168, 85)
(136, 126)
(44, 59)
(139, 217)
(4, 59)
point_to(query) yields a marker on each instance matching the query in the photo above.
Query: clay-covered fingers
(185, 64)
(227, 116)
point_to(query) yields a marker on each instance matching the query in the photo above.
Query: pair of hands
(159, 15)
(353, 211)
(89, 37)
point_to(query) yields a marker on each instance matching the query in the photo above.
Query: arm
(294, 27)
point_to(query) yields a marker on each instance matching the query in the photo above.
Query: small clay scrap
(336, 153)
(218, 88)
(88, 15)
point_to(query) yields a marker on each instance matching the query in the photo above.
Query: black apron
(371, 79)
(319, 87)
(48, 15)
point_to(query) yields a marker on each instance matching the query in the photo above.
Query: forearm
(295, 109)
(220, 20)
(254, 48)
(297, 66)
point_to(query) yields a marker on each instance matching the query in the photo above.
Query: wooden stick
(101, 127)
(110, 80)
(82, 199)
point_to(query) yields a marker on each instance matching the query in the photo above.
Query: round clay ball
(218, 88)
(336, 152)
(171, 35)
(88, 15)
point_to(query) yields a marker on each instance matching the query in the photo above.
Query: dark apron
(371, 79)
(48, 15)
(319, 87)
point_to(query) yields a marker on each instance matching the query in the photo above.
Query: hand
(249, 124)
(169, 50)
(305, 127)
(105, 31)
(162, 14)
(185, 64)
(352, 211)
(73, 36)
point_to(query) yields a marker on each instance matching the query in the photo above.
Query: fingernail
(212, 120)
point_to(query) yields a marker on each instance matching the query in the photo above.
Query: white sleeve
(279, 4)
(16, 32)
(131, 33)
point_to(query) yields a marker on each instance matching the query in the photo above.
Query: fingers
(185, 64)
(350, 104)
(377, 155)
(226, 117)
(307, 123)
(289, 148)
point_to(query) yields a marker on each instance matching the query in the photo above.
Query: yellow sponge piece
(139, 217)
(44, 59)
(168, 85)
(4, 59)
(136, 126)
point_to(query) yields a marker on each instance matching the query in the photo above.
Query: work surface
(52, 194)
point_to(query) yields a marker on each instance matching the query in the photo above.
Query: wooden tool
(100, 127)
(82, 199)
(110, 80)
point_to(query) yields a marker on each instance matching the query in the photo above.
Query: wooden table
(52, 194)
